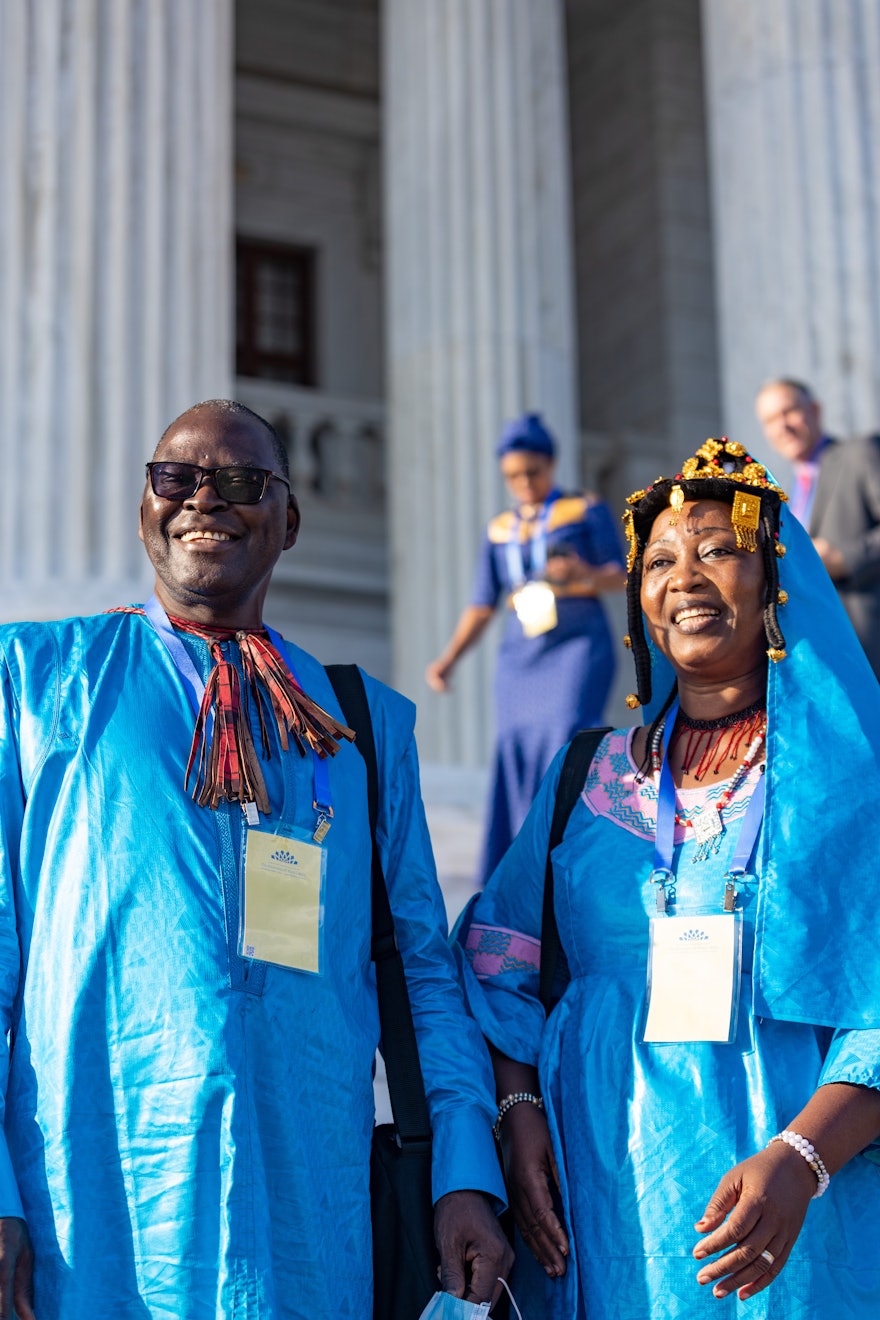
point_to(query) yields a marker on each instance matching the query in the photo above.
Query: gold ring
(768, 1256)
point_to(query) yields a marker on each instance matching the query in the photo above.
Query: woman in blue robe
(546, 561)
(655, 1164)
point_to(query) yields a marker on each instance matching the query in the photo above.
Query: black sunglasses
(236, 485)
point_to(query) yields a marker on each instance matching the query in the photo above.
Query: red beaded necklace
(732, 731)
(712, 742)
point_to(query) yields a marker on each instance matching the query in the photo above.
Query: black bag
(405, 1257)
(575, 768)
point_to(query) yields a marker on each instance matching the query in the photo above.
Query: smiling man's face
(213, 558)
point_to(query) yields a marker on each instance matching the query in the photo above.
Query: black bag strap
(403, 1070)
(575, 768)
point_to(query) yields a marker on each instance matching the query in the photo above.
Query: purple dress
(546, 687)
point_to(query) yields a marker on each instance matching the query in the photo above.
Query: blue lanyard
(192, 679)
(195, 689)
(516, 567)
(665, 837)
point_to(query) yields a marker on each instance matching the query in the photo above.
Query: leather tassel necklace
(229, 768)
(226, 767)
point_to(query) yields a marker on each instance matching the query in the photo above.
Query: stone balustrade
(336, 445)
(330, 593)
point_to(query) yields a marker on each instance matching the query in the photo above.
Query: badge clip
(323, 823)
(665, 896)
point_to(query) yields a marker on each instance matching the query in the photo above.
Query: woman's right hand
(437, 676)
(469, 627)
(533, 1185)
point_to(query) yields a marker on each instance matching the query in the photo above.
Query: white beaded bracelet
(807, 1151)
(515, 1098)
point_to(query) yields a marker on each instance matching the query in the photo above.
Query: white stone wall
(330, 592)
(480, 307)
(794, 108)
(307, 172)
(323, 44)
(648, 359)
(115, 244)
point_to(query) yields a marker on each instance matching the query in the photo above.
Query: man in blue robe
(187, 1130)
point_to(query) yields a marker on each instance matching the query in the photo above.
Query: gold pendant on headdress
(632, 540)
(745, 518)
(710, 449)
(676, 504)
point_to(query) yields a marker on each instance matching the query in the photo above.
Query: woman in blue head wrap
(547, 561)
(699, 1114)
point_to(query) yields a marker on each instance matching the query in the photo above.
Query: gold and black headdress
(721, 470)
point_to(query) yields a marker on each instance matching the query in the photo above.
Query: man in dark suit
(836, 495)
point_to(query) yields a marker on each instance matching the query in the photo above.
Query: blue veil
(817, 958)
(818, 955)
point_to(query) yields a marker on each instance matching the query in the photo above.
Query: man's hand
(473, 1250)
(16, 1271)
(832, 557)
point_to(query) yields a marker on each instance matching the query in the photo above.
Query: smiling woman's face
(703, 597)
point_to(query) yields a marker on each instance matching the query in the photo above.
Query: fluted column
(793, 103)
(115, 275)
(480, 307)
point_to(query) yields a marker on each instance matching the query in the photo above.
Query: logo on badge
(688, 935)
(282, 855)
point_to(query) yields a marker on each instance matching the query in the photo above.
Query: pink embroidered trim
(495, 950)
(614, 790)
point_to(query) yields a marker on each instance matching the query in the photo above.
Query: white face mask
(443, 1306)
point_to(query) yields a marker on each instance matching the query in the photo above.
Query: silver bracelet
(515, 1098)
(807, 1151)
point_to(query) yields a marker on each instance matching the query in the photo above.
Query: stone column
(115, 276)
(480, 308)
(793, 101)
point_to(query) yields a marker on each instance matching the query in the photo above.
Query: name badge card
(535, 606)
(283, 900)
(693, 978)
